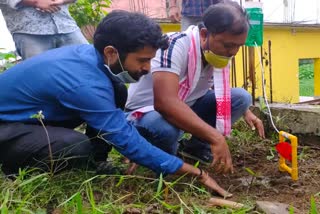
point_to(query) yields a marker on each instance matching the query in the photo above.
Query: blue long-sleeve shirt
(70, 83)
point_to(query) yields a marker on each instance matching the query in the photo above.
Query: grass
(84, 192)
(306, 79)
(81, 191)
(306, 87)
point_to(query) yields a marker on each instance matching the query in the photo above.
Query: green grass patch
(306, 80)
(306, 87)
(80, 191)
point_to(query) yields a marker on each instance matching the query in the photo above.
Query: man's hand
(254, 122)
(222, 161)
(58, 2)
(51, 9)
(213, 185)
(132, 166)
(204, 178)
(174, 14)
(46, 6)
(49, 6)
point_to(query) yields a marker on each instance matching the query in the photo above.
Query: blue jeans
(165, 136)
(29, 45)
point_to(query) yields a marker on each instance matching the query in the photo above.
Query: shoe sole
(187, 155)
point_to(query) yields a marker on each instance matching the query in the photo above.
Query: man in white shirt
(177, 96)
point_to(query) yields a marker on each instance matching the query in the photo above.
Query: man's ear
(203, 34)
(110, 55)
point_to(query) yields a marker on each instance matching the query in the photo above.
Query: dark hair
(226, 16)
(128, 32)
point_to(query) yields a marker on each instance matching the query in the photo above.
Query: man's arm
(95, 105)
(167, 102)
(174, 11)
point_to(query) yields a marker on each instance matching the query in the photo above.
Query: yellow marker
(293, 170)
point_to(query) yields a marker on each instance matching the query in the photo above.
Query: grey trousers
(27, 145)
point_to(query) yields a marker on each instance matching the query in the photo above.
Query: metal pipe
(270, 71)
(234, 72)
(244, 65)
(252, 72)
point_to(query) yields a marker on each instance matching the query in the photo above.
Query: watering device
(288, 152)
(255, 14)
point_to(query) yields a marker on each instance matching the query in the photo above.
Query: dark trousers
(26, 145)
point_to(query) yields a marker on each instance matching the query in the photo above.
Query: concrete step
(302, 120)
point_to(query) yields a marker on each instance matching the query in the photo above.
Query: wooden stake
(225, 203)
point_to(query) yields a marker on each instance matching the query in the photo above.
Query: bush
(88, 13)
(306, 71)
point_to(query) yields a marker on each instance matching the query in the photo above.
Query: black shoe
(196, 150)
(107, 168)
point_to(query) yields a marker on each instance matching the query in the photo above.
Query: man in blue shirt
(83, 83)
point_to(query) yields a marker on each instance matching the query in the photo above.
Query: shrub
(88, 13)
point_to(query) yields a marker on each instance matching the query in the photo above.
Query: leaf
(120, 181)
(32, 179)
(159, 188)
(250, 171)
(271, 156)
(313, 206)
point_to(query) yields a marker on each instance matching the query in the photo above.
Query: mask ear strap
(207, 43)
(120, 61)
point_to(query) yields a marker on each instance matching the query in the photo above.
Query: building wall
(151, 8)
(288, 45)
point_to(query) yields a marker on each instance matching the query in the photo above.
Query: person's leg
(100, 148)
(29, 45)
(74, 38)
(25, 145)
(241, 100)
(205, 108)
(187, 21)
(158, 131)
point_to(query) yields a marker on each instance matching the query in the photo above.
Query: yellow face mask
(215, 60)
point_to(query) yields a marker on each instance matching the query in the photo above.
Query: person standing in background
(191, 11)
(37, 26)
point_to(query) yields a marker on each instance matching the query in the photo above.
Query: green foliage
(306, 71)
(313, 209)
(306, 87)
(84, 192)
(7, 60)
(89, 12)
(306, 79)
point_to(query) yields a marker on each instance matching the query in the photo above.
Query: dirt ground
(257, 177)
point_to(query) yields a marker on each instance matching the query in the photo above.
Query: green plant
(40, 117)
(306, 71)
(313, 209)
(306, 79)
(7, 60)
(88, 13)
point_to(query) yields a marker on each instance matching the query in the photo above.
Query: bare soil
(257, 177)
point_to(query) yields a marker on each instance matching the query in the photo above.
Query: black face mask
(120, 90)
